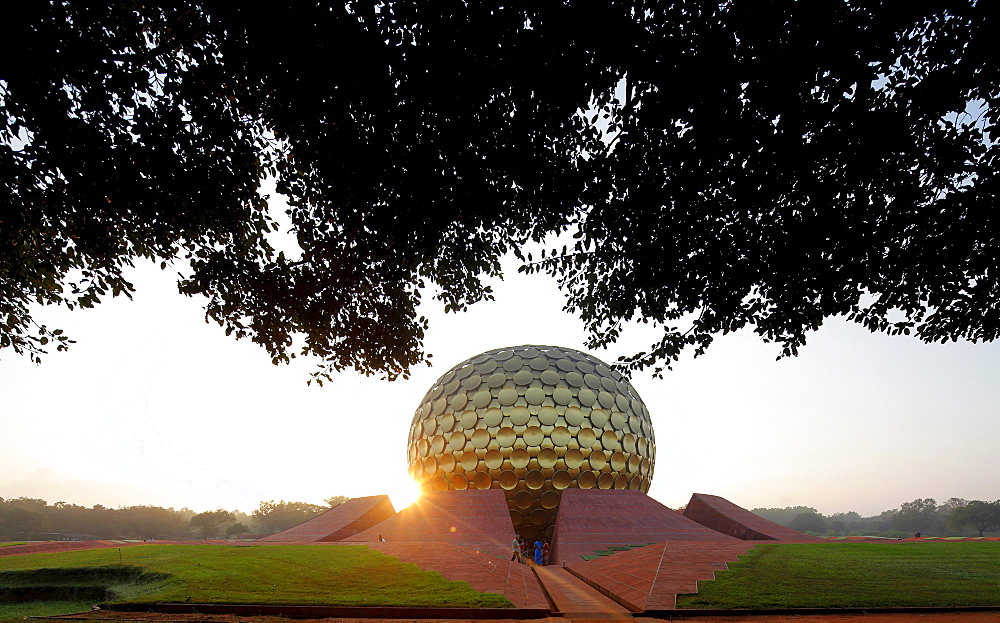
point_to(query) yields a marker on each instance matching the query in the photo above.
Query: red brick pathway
(58, 546)
(575, 599)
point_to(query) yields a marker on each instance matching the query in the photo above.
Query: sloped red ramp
(340, 522)
(473, 519)
(596, 519)
(483, 571)
(651, 577)
(722, 515)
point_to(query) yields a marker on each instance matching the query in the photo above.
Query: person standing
(538, 551)
(515, 549)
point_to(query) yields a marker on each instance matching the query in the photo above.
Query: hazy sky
(154, 406)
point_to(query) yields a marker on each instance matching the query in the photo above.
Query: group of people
(523, 551)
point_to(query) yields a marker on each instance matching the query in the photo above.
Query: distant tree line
(955, 517)
(33, 519)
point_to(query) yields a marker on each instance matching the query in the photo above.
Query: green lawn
(17, 612)
(842, 575)
(6, 543)
(272, 574)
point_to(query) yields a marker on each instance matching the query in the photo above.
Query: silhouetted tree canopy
(237, 529)
(207, 523)
(36, 519)
(336, 500)
(272, 516)
(719, 164)
(920, 515)
(983, 516)
(784, 516)
(809, 522)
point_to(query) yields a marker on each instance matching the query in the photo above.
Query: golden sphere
(532, 420)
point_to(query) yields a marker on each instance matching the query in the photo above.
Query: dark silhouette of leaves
(721, 165)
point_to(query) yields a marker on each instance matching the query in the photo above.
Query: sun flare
(403, 493)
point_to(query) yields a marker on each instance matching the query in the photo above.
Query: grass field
(863, 575)
(273, 574)
(46, 591)
(17, 612)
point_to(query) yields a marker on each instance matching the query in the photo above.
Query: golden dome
(532, 420)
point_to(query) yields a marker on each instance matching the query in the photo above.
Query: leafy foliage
(273, 516)
(771, 168)
(920, 515)
(114, 147)
(237, 529)
(783, 516)
(207, 523)
(983, 516)
(809, 522)
(71, 520)
(722, 165)
(23, 522)
(336, 500)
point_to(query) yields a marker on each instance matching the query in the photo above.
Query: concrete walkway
(575, 599)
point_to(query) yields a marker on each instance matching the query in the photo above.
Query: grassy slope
(844, 575)
(280, 574)
(17, 612)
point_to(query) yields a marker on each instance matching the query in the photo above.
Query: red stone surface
(595, 519)
(58, 546)
(38, 547)
(483, 570)
(573, 597)
(722, 515)
(651, 577)
(477, 519)
(340, 522)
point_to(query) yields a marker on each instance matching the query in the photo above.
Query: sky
(155, 406)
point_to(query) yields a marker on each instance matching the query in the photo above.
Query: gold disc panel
(532, 421)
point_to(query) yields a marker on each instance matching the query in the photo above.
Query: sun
(403, 493)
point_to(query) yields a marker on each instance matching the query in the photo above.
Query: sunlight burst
(403, 493)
